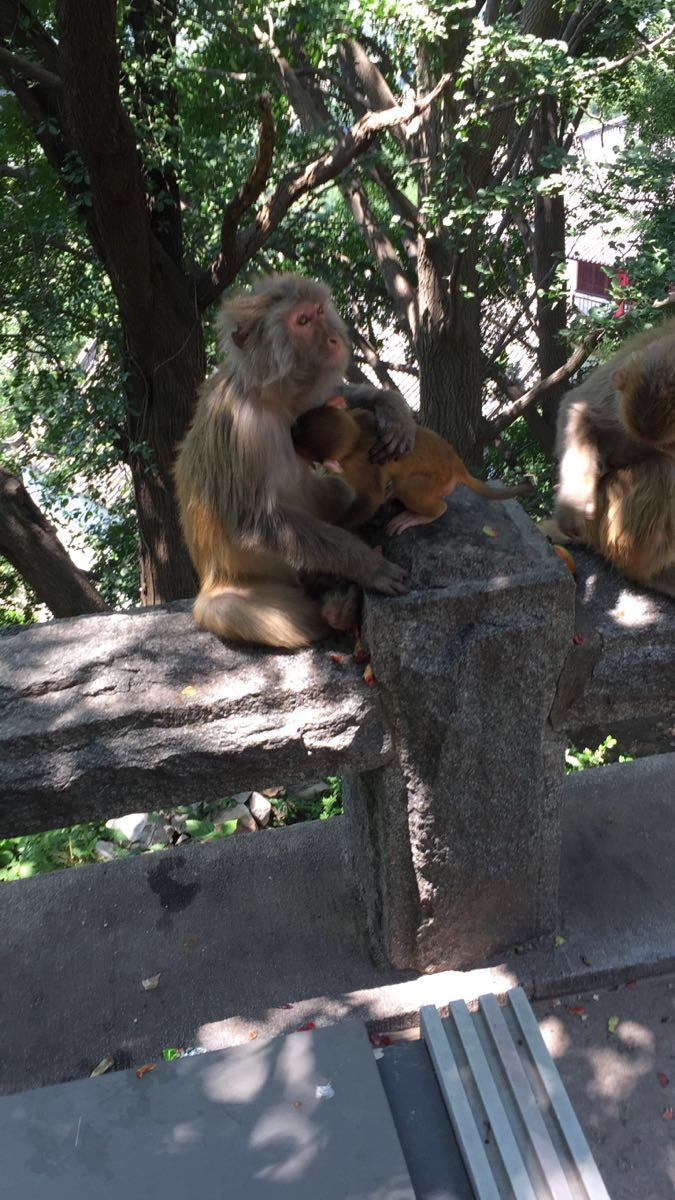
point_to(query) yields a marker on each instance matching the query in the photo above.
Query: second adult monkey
(616, 443)
(258, 522)
(421, 479)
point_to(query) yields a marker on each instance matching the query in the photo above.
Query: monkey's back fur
(616, 444)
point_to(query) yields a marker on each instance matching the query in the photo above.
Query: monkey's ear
(618, 379)
(239, 337)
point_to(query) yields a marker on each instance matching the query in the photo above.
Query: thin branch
(257, 177)
(293, 186)
(7, 171)
(402, 295)
(508, 414)
(19, 65)
(645, 48)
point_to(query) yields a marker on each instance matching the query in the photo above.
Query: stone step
(265, 932)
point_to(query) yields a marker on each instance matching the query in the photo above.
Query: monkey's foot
(406, 520)
(341, 607)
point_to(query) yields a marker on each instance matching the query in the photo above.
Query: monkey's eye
(303, 319)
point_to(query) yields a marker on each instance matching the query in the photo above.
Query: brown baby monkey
(341, 441)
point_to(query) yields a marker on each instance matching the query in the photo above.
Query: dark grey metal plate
(238, 1124)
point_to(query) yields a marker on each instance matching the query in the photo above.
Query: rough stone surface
(103, 714)
(619, 678)
(260, 809)
(457, 846)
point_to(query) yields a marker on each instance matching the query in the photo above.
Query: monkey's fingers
(390, 579)
(392, 443)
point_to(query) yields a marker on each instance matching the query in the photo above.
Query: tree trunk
(165, 366)
(448, 349)
(29, 542)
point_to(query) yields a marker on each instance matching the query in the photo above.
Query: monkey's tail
(490, 493)
(264, 613)
(267, 614)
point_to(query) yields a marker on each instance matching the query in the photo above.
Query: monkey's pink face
(315, 334)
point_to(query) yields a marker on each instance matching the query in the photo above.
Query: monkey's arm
(395, 422)
(310, 545)
(580, 469)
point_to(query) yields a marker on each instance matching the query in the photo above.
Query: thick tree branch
(29, 542)
(27, 69)
(293, 186)
(508, 414)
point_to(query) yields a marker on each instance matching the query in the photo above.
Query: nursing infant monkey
(343, 441)
(616, 444)
(261, 526)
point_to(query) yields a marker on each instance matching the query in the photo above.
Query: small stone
(260, 808)
(240, 798)
(247, 824)
(130, 827)
(153, 833)
(105, 852)
(311, 790)
(151, 982)
(238, 812)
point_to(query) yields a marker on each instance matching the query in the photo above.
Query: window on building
(591, 279)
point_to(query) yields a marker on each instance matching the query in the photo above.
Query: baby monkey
(341, 440)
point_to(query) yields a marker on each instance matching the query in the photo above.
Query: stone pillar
(456, 847)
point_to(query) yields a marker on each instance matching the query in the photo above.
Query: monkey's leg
(267, 614)
(421, 499)
(635, 526)
(341, 607)
(332, 497)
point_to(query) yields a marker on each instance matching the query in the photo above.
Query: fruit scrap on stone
(565, 556)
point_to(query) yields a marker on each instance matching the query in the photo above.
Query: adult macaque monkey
(256, 518)
(616, 443)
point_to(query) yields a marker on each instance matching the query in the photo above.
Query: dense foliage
(450, 227)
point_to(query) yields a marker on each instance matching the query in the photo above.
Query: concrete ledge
(103, 715)
(619, 679)
(241, 929)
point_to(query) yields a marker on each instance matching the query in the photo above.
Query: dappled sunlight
(290, 1135)
(556, 1038)
(635, 609)
(392, 1000)
(614, 1075)
(224, 1082)
(183, 1136)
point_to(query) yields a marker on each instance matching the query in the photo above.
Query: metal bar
(525, 1099)
(561, 1106)
(462, 1119)
(505, 1140)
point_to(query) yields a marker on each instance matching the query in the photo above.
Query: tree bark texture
(29, 542)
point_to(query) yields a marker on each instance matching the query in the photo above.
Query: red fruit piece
(306, 1027)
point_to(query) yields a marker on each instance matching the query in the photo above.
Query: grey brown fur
(257, 520)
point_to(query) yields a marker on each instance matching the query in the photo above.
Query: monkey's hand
(395, 422)
(390, 579)
(394, 437)
(574, 513)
